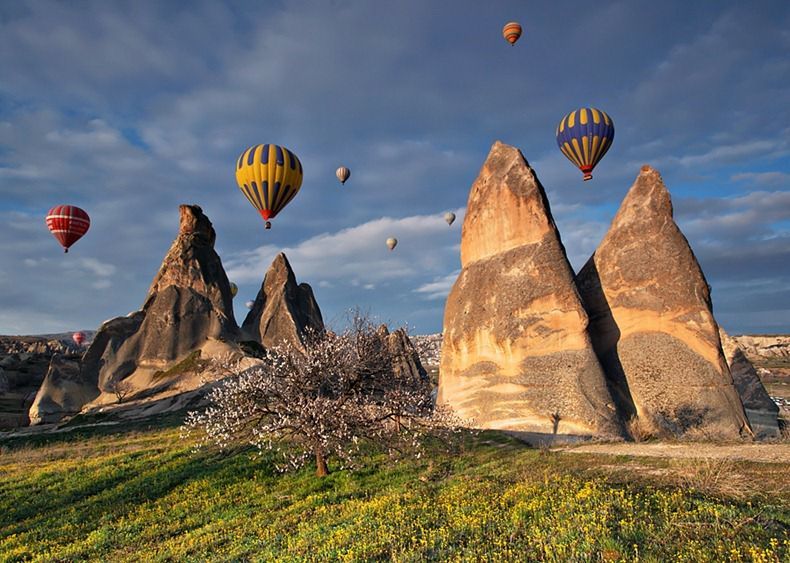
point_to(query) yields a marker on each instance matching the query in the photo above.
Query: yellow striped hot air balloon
(584, 136)
(269, 176)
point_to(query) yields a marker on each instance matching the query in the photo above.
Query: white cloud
(102, 284)
(92, 265)
(763, 178)
(734, 218)
(737, 151)
(359, 253)
(439, 288)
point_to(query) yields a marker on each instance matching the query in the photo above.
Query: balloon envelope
(67, 223)
(584, 136)
(392, 242)
(511, 32)
(449, 217)
(78, 338)
(343, 174)
(269, 176)
(234, 289)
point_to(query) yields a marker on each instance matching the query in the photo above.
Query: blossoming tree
(340, 392)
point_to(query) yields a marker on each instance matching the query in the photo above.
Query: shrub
(338, 394)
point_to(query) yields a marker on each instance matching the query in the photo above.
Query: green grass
(143, 494)
(192, 363)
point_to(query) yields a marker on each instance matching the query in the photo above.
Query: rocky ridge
(516, 353)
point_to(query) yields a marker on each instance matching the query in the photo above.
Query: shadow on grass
(63, 500)
(83, 427)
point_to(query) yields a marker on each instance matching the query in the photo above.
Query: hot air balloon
(67, 223)
(269, 176)
(511, 32)
(249, 304)
(343, 174)
(234, 289)
(392, 242)
(78, 338)
(449, 217)
(584, 136)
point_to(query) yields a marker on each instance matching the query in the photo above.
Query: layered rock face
(760, 409)
(283, 311)
(188, 303)
(62, 393)
(406, 359)
(652, 322)
(764, 347)
(24, 363)
(516, 354)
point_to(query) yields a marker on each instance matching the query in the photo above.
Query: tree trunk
(321, 469)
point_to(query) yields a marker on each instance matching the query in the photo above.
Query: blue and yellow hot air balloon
(269, 176)
(584, 136)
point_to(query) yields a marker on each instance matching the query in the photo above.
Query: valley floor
(767, 452)
(144, 494)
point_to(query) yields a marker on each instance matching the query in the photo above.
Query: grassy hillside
(144, 494)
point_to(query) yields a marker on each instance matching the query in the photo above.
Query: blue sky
(128, 109)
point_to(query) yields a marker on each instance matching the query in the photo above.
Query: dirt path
(759, 453)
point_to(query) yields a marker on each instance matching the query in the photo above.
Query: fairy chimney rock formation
(652, 322)
(282, 311)
(62, 393)
(516, 354)
(406, 362)
(760, 409)
(188, 303)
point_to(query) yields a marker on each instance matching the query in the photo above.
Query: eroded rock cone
(188, 303)
(63, 392)
(760, 409)
(283, 311)
(652, 322)
(516, 354)
(406, 360)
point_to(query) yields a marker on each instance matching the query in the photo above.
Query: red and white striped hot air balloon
(67, 223)
(78, 338)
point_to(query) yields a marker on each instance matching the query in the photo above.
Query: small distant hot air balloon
(67, 223)
(78, 338)
(234, 289)
(269, 176)
(249, 304)
(584, 136)
(449, 217)
(343, 174)
(392, 242)
(511, 32)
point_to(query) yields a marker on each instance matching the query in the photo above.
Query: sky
(128, 109)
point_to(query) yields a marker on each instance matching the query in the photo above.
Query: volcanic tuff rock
(406, 360)
(188, 303)
(652, 321)
(516, 354)
(283, 310)
(765, 347)
(760, 409)
(62, 393)
(24, 362)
